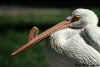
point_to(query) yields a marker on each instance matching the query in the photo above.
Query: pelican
(74, 42)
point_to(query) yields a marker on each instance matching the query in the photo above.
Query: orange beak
(62, 25)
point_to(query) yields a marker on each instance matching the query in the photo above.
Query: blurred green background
(15, 24)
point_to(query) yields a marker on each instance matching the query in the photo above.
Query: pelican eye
(75, 18)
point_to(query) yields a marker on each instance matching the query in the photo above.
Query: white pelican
(75, 42)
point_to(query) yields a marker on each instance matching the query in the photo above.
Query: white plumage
(78, 46)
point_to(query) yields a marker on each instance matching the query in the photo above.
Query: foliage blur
(15, 24)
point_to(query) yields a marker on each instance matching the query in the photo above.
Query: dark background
(53, 4)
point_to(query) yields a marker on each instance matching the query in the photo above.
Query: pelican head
(83, 17)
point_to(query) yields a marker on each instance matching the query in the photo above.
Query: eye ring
(75, 18)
